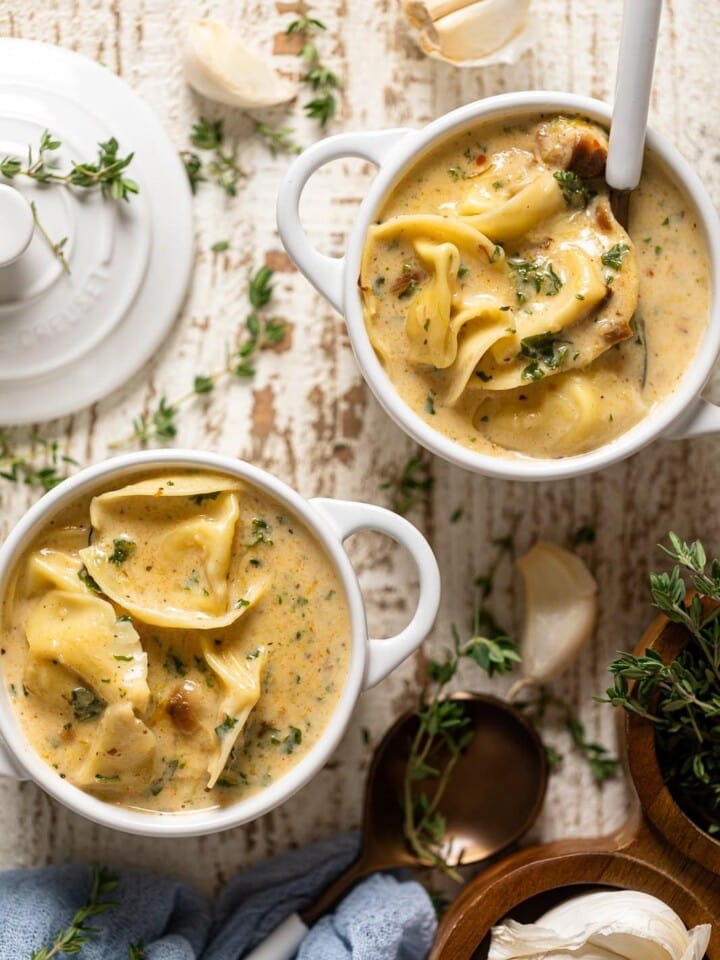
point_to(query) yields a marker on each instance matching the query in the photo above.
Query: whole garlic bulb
(608, 925)
(471, 32)
(222, 67)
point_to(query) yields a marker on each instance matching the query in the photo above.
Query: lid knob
(16, 224)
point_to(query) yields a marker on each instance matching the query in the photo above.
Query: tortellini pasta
(85, 635)
(497, 264)
(182, 532)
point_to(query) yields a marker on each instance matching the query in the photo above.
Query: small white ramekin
(684, 413)
(331, 521)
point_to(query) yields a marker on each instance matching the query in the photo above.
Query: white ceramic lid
(67, 340)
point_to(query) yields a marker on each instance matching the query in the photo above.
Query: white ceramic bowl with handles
(331, 521)
(683, 414)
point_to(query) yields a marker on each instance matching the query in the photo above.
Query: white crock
(331, 521)
(683, 414)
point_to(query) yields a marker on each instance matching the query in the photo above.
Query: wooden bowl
(659, 851)
(660, 807)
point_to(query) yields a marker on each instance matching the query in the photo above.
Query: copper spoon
(492, 798)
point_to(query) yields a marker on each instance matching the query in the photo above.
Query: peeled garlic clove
(467, 31)
(222, 67)
(560, 609)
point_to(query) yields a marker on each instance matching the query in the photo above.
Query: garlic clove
(602, 926)
(222, 67)
(560, 609)
(468, 32)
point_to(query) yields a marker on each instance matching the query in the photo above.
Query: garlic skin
(222, 67)
(608, 925)
(560, 609)
(471, 32)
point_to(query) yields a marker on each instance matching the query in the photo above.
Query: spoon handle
(641, 22)
(283, 942)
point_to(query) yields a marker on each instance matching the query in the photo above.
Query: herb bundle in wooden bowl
(670, 688)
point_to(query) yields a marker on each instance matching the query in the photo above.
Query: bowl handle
(9, 770)
(348, 517)
(703, 418)
(324, 273)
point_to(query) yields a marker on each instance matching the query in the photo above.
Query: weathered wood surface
(305, 400)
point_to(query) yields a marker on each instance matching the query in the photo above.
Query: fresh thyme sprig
(222, 168)
(278, 140)
(106, 173)
(261, 332)
(72, 939)
(682, 698)
(411, 487)
(322, 81)
(46, 470)
(443, 730)
(600, 761)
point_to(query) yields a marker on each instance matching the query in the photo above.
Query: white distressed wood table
(308, 417)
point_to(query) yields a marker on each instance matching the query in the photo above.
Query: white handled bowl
(683, 414)
(332, 522)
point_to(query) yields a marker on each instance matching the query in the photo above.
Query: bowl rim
(659, 805)
(208, 820)
(399, 161)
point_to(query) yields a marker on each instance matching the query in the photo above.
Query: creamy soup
(176, 643)
(509, 307)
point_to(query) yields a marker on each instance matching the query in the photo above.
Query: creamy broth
(509, 308)
(175, 644)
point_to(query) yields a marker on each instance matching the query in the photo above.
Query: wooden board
(305, 400)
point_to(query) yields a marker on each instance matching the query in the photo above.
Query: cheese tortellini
(185, 657)
(497, 265)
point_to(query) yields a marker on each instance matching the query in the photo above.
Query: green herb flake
(174, 664)
(87, 580)
(220, 246)
(85, 705)
(228, 724)
(614, 257)
(123, 549)
(292, 740)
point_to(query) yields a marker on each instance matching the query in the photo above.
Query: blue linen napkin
(381, 919)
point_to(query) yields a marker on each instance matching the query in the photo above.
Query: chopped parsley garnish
(103, 779)
(292, 740)
(430, 404)
(85, 705)
(576, 191)
(199, 498)
(534, 273)
(613, 257)
(463, 271)
(378, 284)
(496, 254)
(86, 579)
(173, 664)
(409, 290)
(485, 377)
(122, 549)
(228, 724)
(169, 772)
(456, 173)
(261, 529)
(121, 658)
(542, 348)
(533, 371)
(242, 602)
